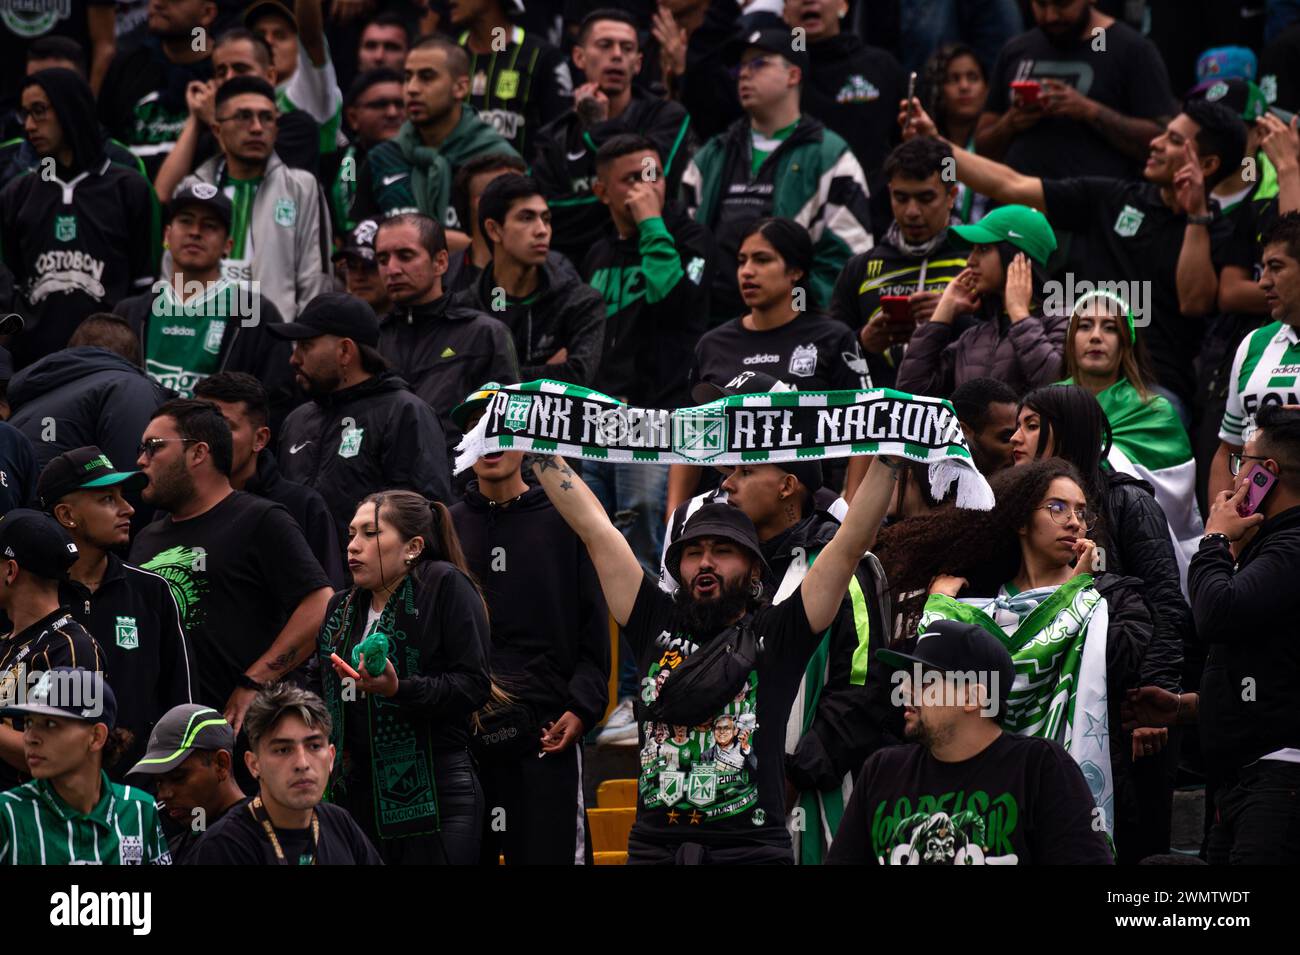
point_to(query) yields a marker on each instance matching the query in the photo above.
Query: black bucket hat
(722, 521)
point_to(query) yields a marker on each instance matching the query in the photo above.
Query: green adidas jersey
(1263, 373)
(39, 828)
(183, 343)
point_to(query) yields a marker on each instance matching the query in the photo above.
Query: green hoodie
(408, 176)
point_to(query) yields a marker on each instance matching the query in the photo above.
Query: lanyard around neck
(259, 813)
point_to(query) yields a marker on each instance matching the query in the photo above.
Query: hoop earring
(755, 587)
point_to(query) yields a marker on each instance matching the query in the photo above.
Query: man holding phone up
(1081, 94)
(886, 291)
(1246, 613)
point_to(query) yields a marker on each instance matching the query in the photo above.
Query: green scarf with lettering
(401, 754)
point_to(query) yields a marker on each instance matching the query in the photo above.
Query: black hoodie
(92, 396)
(446, 349)
(78, 240)
(855, 90)
(854, 717)
(564, 312)
(373, 436)
(550, 627)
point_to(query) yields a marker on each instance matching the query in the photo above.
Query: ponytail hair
(412, 515)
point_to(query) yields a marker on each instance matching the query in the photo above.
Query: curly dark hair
(982, 546)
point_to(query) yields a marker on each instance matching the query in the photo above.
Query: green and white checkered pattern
(554, 417)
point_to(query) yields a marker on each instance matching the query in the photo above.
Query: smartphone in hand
(1259, 481)
(1026, 92)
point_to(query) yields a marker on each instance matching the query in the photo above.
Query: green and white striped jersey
(39, 828)
(1264, 372)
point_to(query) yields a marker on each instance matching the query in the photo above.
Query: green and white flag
(1057, 640)
(1148, 442)
(559, 418)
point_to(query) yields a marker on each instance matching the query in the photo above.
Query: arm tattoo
(566, 485)
(283, 662)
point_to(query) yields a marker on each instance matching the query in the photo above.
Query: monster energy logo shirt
(1020, 801)
(237, 572)
(1264, 372)
(721, 782)
(183, 343)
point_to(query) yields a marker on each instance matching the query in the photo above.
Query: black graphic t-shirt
(237, 571)
(1022, 801)
(721, 783)
(1120, 68)
(812, 353)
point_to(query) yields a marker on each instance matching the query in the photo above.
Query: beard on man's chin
(1070, 36)
(707, 617)
(170, 490)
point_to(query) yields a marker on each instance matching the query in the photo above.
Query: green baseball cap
(1025, 228)
(474, 402)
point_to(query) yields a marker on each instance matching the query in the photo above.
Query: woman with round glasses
(1025, 572)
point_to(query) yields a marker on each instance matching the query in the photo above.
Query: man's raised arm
(827, 580)
(1000, 183)
(617, 567)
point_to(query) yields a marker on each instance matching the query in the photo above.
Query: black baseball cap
(37, 542)
(79, 469)
(70, 692)
(182, 730)
(474, 402)
(809, 473)
(332, 313)
(264, 8)
(951, 646)
(203, 194)
(771, 40)
(722, 521)
(360, 243)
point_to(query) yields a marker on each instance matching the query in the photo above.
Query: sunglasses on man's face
(153, 445)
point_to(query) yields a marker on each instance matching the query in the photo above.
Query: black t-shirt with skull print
(721, 783)
(1021, 801)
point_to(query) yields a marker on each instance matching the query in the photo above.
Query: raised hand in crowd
(1189, 182)
(959, 298)
(1019, 293)
(591, 104)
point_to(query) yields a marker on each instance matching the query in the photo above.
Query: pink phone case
(1260, 481)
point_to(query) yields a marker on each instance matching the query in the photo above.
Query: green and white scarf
(1057, 639)
(821, 812)
(559, 418)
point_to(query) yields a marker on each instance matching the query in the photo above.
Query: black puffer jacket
(1137, 542)
(853, 719)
